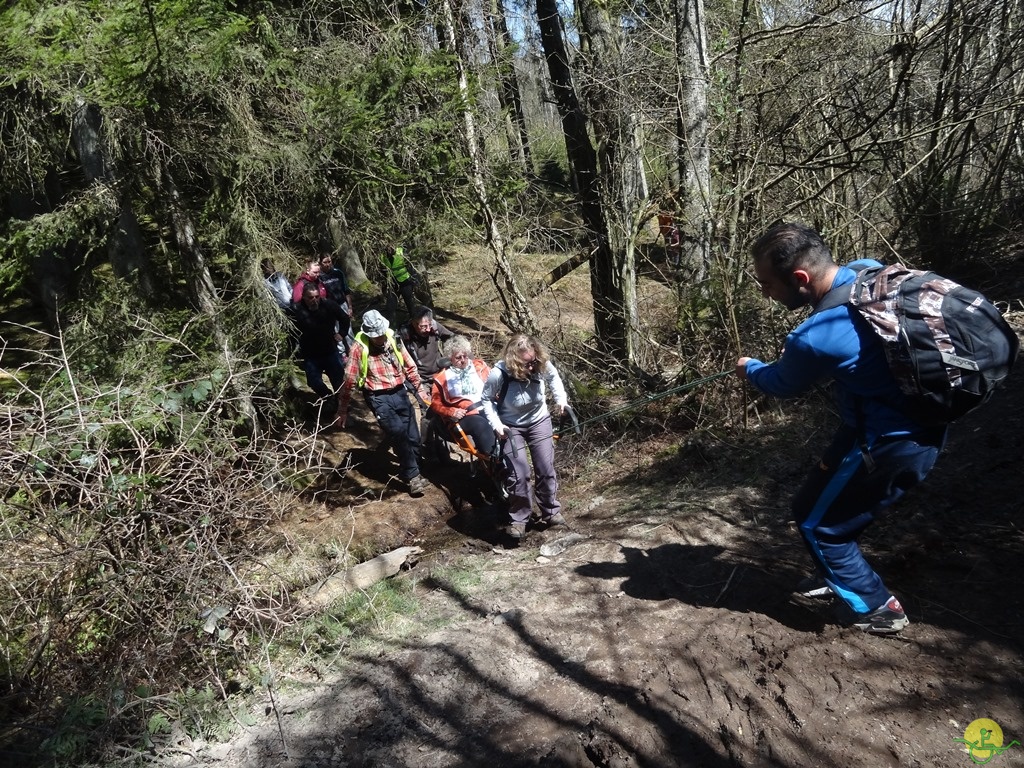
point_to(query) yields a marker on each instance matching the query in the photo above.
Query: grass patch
(460, 580)
(361, 619)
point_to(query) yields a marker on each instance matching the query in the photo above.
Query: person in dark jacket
(423, 336)
(321, 324)
(878, 452)
(334, 280)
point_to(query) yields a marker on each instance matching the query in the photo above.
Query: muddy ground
(668, 635)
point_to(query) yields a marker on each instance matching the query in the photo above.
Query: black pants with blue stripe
(842, 496)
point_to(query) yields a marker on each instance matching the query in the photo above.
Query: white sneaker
(814, 586)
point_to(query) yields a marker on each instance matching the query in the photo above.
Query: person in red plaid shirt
(380, 365)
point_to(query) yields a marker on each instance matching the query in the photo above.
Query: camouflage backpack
(948, 347)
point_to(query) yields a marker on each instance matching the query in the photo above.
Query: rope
(642, 401)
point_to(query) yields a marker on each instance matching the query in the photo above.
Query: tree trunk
(202, 290)
(559, 272)
(693, 153)
(126, 250)
(607, 267)
(737, 180)
(348, 256)
(509, 94)
(622, 179)
(517, 315)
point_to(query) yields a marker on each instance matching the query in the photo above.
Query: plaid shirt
(382, 371)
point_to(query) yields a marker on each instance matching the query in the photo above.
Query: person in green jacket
(402, 272)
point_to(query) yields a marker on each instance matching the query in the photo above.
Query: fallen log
(356, 578)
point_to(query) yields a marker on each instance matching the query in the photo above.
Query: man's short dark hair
(418, 313)
(789, 246)
(311, 289)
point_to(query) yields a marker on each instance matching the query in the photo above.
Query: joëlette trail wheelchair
(492, 466)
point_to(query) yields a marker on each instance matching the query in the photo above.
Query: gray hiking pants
(536, 437)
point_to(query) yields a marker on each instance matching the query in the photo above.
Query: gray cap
(375, 324)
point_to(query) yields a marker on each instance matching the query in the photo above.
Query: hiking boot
(417, 486)
(814, 586)
(888, 619)
(553, 520)
(517, 531)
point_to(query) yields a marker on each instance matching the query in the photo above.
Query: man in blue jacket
(878, 452)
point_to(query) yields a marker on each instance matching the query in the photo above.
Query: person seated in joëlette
(456, 392)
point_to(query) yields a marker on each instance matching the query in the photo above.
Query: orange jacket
(445, 401)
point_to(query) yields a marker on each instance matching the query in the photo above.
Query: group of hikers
(880, 450)
(503, 409)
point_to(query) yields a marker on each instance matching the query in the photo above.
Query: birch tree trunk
(693, 153)
(517, 315)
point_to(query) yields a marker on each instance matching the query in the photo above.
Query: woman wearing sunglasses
(515, 401)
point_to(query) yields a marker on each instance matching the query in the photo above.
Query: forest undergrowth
(146, 579)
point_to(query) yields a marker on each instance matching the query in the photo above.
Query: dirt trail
(669, 635)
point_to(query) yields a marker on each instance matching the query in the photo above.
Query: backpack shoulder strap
(505, 381)
(410, 345)
(844, 294)
(834, 298)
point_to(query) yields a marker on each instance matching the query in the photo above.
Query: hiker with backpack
(423, 337)
(878, 452)
(515, 402)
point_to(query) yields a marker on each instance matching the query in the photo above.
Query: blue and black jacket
(838, 344)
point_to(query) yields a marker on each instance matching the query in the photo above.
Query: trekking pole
(567, 422)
